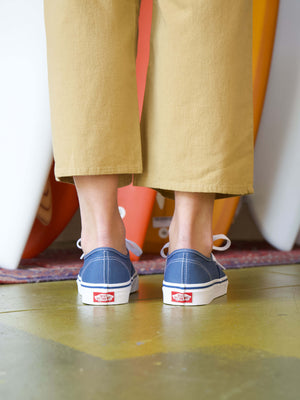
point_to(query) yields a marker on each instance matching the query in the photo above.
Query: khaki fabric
(196, 129)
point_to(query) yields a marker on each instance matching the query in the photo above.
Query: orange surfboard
(58, 205)
(138, 201)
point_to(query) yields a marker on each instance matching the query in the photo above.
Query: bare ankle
(191, 225)
(101, 222)
(193, 238)
(106, 235)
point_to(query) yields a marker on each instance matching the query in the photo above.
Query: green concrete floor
(245, 345)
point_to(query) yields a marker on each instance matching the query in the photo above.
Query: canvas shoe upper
(107, 276)
(191, 278)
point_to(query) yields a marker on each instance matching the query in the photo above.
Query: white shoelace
(130, 245)
(219, 248)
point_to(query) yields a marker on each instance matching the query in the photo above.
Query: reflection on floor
(245, 345)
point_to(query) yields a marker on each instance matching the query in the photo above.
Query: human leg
(192, 275)
(197, 131)
(197, 117)
(107, 276)
(91, 51)
(91, 48)
(191, 225)
(101, 223)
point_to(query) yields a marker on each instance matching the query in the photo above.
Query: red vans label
(104, 297)
(180, 297)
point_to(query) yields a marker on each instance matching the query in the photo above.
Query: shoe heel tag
(100, 297)
(179, 297)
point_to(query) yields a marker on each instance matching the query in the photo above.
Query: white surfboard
(25, 130)
(275, 205)
(297, 241)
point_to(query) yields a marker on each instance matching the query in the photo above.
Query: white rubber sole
(182, 295)
(106, 295)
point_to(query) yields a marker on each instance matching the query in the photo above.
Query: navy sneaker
(193, 279)
(107, 276)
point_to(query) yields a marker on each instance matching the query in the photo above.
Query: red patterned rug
(58, 265)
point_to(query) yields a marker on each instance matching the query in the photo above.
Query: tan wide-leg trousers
(196, 129)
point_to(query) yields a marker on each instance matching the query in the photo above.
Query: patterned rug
(58, 265)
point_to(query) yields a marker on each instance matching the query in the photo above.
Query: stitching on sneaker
(198, 263)
(103, 259)
(104, 266)
(185, 268)
(181, 271)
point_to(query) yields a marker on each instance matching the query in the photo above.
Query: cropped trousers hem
(163, 187)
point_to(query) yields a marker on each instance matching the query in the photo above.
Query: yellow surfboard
(264, 27)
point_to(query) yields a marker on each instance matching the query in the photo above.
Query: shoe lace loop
(215, 237)
(78, 244)
(162, 252)
(133, 247)
(130, 245)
